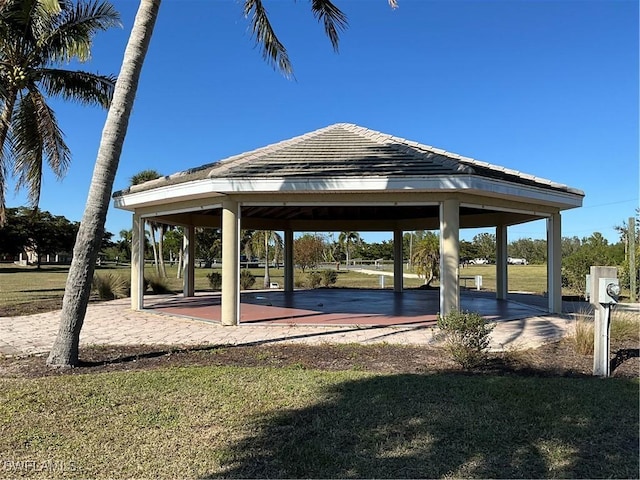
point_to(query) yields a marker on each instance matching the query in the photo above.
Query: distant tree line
(40, 232)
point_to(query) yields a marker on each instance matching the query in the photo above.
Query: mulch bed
(555, 359)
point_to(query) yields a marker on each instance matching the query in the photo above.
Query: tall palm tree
(347, 240)
(36, 36)
(65, 348)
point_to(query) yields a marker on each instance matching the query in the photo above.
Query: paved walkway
(114, 323)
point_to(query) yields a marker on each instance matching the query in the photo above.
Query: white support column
(502, 276)
(189, 261)
(137, 263)
(230, 307)
(449, 256)
(554, 263)
(288, 260)
(398, 277)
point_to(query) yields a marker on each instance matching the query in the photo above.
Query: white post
(137, 263)
(449, 256)
(554, 263)
(288, 260)
(502, 276)
(189, 261)
(230, 307)
(601, 322)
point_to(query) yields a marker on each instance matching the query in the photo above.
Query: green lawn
(23, 289)
(199, 422)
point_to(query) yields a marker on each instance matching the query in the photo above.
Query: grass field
(237, 422)
(28, 290)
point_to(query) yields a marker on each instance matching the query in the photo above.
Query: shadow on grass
(431, 426)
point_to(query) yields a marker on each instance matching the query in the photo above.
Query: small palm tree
(261, 242)
(426, 257)
(35, 37)
(347, 240)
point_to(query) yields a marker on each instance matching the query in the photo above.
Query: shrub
(246, 279)
(466, 337)
(215, 280)
(328, 277)
(624, 327)
(110, 286)
(584, 336)
(158, 284)
(314, 279)
(299, 283)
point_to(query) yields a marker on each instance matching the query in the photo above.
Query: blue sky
(549, 88)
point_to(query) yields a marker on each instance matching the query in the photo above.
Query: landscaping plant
(215, 280)
(247, 279)
(466, 337)
(329, 277)
(109, 286)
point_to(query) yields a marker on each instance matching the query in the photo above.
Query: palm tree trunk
(179, 274)
(163, 270)
(5, 121)
(267, 277)
(85, 252)
(154, 247)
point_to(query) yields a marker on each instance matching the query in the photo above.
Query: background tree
(535, 251)
(426, 257)
(347, 241)
(41, 232)
(486, 245)
(208, 245)
(594, 250)
(264, 242)
(74, 306)
(124, 244)
(36, 37)
(308, 250)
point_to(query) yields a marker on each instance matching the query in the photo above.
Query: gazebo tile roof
(346, 150)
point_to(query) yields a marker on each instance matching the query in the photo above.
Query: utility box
(595, 274)
(608, 290)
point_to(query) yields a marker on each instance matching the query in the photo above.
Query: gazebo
(348, 178)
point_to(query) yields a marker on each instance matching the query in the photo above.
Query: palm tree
(426, 257)
(35, 37)
(347, 240)
(65, 349)
(260, 244)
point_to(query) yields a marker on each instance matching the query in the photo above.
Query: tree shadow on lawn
(431, 426)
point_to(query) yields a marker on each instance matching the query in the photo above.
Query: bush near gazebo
(466, 337)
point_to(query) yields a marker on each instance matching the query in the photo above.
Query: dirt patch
(556, 359)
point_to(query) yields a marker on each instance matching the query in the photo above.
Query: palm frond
(273, 51)
(82, 87)
(334, 20)
(37, 138)
(70, 34)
